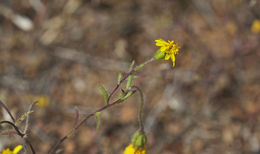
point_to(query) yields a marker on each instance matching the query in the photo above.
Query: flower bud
(139, 139)
(159, 55)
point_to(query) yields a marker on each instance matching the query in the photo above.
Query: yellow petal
(163, 48)
(167, 56)
(131, 150)
(170, 42)
(173, 60)
(173, 57)
(6, 151)
(17, 149)
(160, 42)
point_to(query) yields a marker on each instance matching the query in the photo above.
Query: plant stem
(140, 111)
(54, 148)
(52, 151)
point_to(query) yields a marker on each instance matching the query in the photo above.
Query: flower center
(173, 49)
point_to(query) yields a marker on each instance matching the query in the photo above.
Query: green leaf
(130, 93)
(24, 116)
(119, 78)
(139, 67)
(131, 66)
(103, 90)
(123, 93)
(98, 117)
(129, 81)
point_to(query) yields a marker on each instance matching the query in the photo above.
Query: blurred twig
(7, 110)
(37, 5)
(28, 117)
(20, 21)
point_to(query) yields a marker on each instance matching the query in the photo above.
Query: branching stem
(72, 131)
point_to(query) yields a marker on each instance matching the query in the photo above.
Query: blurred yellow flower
(43, 101)
(256, 27)
(168, 50)
(131, 150)
(15, 151)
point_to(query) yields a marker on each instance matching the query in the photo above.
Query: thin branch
(126, 76)
(15, 127)
(7, 110)
(25, 147)
(28, 117)
(118, 85)
(52, 151)
(76, 109)
(8, 132)
(29, 143)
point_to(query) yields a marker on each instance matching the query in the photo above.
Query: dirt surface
(59, 51)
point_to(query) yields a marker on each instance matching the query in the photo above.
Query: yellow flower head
(168, 50)
(130, 149)
(256, 27)
(43, 101)
(15, 151)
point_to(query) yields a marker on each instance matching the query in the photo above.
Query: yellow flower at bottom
(7, 151)
(15, 151)
(168, 50)
(131, 150)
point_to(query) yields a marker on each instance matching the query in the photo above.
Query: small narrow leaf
(123, 93)
(119, 78)
(131, 66)
(98, 117)
(139, 67)
(103, 90)
(129, 81)
(130, 93)
(21, 119)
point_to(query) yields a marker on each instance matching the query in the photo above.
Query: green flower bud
(159, 55)
(139, 140)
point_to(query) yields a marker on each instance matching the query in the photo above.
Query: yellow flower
(256, 27)
(131, 150)
(137, 145)
(15, 151)
(168, 50)
(43, 101)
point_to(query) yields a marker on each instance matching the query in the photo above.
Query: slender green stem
(140, 111)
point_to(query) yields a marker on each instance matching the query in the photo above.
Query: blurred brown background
(59, 51)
